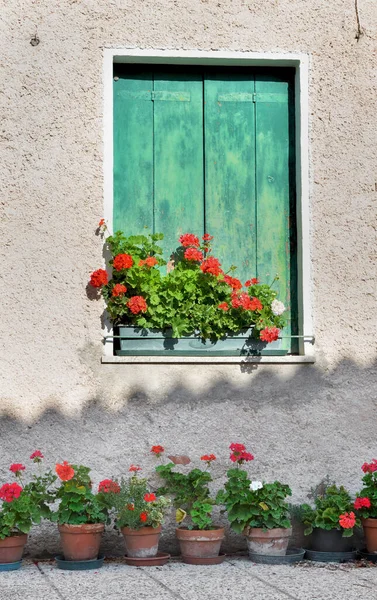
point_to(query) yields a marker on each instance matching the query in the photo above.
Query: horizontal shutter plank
(160, 95)
(252, 97)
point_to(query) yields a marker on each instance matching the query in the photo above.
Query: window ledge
(292, 359)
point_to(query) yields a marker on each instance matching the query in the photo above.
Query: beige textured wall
(300, 421)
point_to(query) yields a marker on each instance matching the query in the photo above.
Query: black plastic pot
(330, 541)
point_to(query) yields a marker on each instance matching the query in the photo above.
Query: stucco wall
(301, 422)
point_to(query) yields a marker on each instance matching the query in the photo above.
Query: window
(211, 150)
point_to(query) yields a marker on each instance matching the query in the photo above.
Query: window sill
(292, 359)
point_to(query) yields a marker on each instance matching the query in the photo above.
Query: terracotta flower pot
(370, 533)
(81, 542)
(141, 543)
(331, 540)
(200, 543)
(11, 548)
(268, 541)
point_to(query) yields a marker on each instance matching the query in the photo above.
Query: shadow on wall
(299, 428)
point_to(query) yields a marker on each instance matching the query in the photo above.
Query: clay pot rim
(369, 521)
(184, 533)
(18, 537)
(215, 528)
(148, 530)
(81, 528)
(261, 532)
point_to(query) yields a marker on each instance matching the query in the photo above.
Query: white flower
(256, 485)
(277, 307)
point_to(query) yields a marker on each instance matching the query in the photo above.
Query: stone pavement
(236, 579)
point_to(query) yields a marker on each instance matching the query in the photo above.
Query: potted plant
(331, 521)
(23, 504)
(366, 504)
(139, 514)
(81, 514)
(200, 540)
(195, 308)
(258, 510)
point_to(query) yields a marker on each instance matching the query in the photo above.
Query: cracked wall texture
(301, 422)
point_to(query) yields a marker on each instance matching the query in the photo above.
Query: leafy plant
(196, 296)
(366, 500)
(191, 494)
(332, 510)
(78, 504)
(135, 506)
(25, 504)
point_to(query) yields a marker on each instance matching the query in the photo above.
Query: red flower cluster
(269, 334)
(10, 491)
(207, 237)
(65, 472)
(143, 517)
(211, 265)
(224, 306)
(36, 456)
(239, 454)
(150, 497)
(122, 261)
(150, 261)
(370, 467)
(101, 223)
(109, 486)
(193, 254)
(118, 290)
(157, 450)
(233, 282)
(347, 520)
(252, 281)
(244, 301)
(137, 304)
(189, 239)
(16, 468)
(208, 457)
(99, 278)
(134, 468)
(362, 503)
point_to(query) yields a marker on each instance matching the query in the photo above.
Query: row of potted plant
(259, 510)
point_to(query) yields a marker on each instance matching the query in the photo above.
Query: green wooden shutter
(211, 151)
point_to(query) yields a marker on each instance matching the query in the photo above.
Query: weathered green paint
(273, 187)
(230, 171)
(133, 153)
(178, 157)
(211, 150)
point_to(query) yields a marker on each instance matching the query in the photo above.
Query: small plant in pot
(366, 504)
(200, 540)
(23, 505)
(81, 514)
(331, 521)
(257, 509)
(139, 515)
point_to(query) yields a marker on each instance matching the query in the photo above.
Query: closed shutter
(211, 151)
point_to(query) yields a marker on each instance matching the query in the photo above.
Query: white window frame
(300, 62)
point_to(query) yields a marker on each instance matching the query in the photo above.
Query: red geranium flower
(223, 306)
(108, 485)
(134, 468)
(122, 261)
(143, 517)
(36, 456)
(237, 447)
(16, 468)
(233, 282)
(208, 457)
(252, 281)
(370, 467)
(193, 254)
(10, 491)
(157, 450)
(137, 304)
(269, 334)
(150, 261)
(255, 304)
(130, 507)
(211, 265)
(98, 278)
(65, 472)
(118, 290)
(101, 223)
(149, 497)
(362, 503)
(239, 454)
(189, 239)
(347, 520)
(207, 237)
